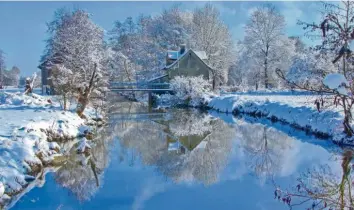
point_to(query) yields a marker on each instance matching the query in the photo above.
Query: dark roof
(182, 56)
(49, 61)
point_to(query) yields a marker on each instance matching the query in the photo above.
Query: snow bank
(20, 99)
(29, 127)
(298, 111)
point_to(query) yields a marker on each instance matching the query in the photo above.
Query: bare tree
(321, 188)
(210, 34)
(263, 33)
(337, 31)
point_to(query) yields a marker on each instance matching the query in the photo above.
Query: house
(46, 71)
(47, 67)
(184, 144)
(184, 63)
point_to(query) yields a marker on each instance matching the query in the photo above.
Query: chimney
(182, 49)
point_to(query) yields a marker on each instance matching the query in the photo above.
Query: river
(187, 159)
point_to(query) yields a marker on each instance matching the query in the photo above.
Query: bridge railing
(138, 85)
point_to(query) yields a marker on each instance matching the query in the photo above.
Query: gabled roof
(50, 61)
(201, 55)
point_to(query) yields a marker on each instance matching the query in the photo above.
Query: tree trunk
(347, 118)
(64, 102)
(347, 157)
(214, 82)
(82, 103)
(344, 66)
(266, 67)
(84, 96)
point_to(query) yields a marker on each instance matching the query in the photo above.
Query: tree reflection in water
(323, 187)
(203, 145)
(82, 173)
(265, 148)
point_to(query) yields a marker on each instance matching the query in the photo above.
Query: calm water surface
(185, 159)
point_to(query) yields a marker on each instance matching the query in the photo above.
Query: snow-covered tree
(77, 44)
(266, 43)
(246, 73)
(2, 67)
(63, 79)
(11, 77)
(120, 67)
(310, 68)
(210, 34)
(300, 46)
(144, 42)
(337, 31)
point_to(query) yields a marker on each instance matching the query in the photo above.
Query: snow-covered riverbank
(296, 110)
(30, 128)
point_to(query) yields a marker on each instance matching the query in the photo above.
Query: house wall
(47, 84)
(44, 77)
(190, 65)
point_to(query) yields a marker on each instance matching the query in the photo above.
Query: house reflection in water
(185, 144)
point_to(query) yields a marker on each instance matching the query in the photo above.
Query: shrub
(193, 91)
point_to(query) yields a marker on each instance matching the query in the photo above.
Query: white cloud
(292, 13)
(150, 188)
(224, 9)
(250, 11)
(238, 31)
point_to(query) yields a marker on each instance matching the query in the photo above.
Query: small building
(184, 63)
(46, 71)
(46, 68)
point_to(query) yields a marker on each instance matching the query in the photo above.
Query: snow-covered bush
(63, 82)
(20, 99)
(193, 91)
(310, 68)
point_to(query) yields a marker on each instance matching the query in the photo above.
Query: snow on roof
(336, 82)
(176, 54)
(201, 54)
(202, 145)
(173, 54)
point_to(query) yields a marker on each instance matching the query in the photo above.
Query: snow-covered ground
(25, 145)
(298, 110)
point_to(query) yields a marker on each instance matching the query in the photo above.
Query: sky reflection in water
(184, 159)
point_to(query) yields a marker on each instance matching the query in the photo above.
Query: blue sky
(23, 24)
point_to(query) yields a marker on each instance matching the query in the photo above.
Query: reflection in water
(82, 173)
(158, 153)
(265, 147)
(323, 186)
(190, 147)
